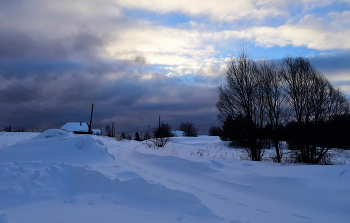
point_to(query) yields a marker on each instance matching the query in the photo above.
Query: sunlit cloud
(225, 10)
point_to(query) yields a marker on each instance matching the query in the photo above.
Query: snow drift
(64, 174)
(58, 146)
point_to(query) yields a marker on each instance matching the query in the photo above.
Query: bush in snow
(214, 131)
(188, 129)
(137, 136)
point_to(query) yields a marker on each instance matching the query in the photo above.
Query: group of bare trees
(188, 128)
(261, 97)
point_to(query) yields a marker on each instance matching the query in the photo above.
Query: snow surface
(11, 138)
(58, 176)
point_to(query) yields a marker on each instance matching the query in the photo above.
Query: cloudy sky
(137, 60)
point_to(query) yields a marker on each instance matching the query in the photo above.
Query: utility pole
(160, 133)
(113, 129)
(92, 110)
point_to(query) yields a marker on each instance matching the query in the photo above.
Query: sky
(138, 60)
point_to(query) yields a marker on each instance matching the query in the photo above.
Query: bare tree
(108, 130)
(146, 136)
(314, 101)
(137, 136)
(214, 131)
(163, 131)
(188, 128)
(262, 99)
(161, 135)
(243, 96)
(275, 101)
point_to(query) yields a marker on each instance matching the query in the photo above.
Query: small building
(177, 133)
(76, 127)
(96, 132)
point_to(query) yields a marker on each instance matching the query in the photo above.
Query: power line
(12, 99)
(15, 89)
(26, 87)
(21, 79)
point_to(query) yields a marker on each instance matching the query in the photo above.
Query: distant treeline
(266, 102)
(16, 129)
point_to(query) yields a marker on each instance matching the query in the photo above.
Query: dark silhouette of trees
(243, 96)
(275, 102)
(264, 102)
(188, 128)
(137, 136)
(108, 130)
(161, 135)
(214, 131)
(163, 131)
(123, 136)
(128, 137)
(8, 129)
(146, 136)
(314, 103)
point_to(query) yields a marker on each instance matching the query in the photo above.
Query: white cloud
(191, 49)
(219, 10)
(224, 10)
(187, 51)
(321, 33)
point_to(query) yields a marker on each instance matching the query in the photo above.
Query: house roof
(96, 131)
(177, 133)
(75, 127)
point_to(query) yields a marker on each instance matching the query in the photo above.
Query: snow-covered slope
(62, 177)
(58, 146)
(11, 138)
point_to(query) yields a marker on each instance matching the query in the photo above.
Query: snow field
(62, 177)
(56, 169)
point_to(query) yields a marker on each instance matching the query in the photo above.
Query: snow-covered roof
(75, 127)
(177, 133)
(96, 131)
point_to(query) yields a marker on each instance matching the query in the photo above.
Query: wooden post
(92, 110)
(112, 129)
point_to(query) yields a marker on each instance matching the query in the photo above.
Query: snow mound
(11, 138)
(58, 146)
(28, 182)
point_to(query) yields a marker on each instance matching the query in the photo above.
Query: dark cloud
(336, 67)
(130, 100)
(16, 44)
(57, 49)
(332, 63)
